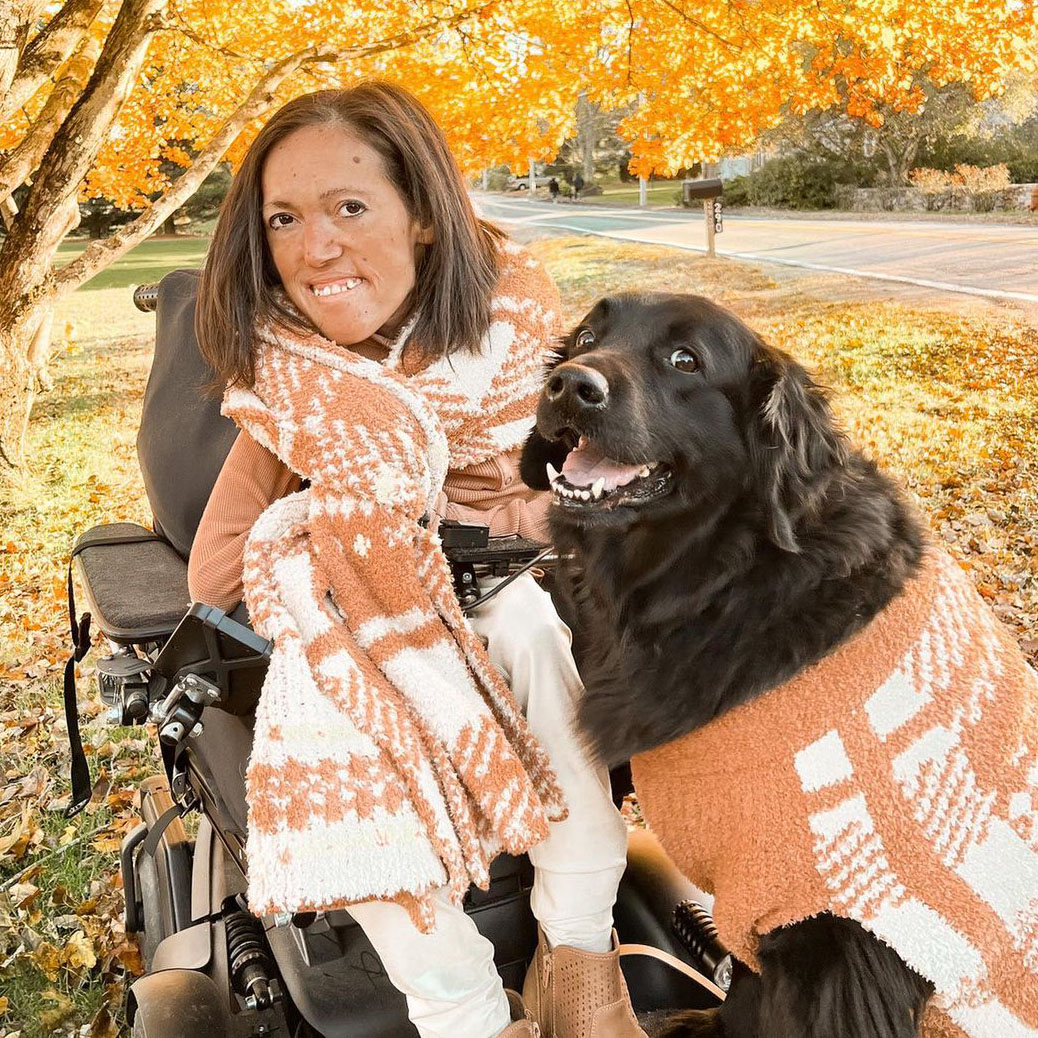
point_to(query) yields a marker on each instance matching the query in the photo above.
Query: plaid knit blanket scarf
(389, 757)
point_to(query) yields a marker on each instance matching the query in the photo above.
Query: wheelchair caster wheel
(179, 1003)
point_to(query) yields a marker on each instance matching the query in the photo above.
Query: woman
(349, 223)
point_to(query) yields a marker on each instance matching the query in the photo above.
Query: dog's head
(660, 404)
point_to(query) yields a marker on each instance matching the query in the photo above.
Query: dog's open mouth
(590, 479)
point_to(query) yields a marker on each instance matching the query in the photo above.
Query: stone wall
(902, 199)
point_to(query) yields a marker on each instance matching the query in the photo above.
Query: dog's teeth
(598, 487)
(643, 471)
(553, 473)
(585, 495)
(654, 465)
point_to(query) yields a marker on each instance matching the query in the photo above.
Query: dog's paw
(694, 1023)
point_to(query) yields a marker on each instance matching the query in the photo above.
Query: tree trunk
(27, 286)
(18, 383)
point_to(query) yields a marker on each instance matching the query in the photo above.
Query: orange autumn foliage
(503, 81)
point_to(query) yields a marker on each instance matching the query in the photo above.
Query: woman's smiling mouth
(334, 288)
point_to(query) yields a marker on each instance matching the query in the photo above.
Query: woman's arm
(250, 480)
(492, 492)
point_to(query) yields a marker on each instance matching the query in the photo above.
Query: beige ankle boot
(578, 994)
(522, 1025)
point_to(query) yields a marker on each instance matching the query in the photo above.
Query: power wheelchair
(212, 968)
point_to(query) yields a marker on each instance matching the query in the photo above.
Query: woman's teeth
(336, 288)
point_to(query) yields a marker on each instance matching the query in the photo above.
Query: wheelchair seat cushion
(135, 583)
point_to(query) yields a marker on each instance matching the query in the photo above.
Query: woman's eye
(683, 360)
(351, 208)
(585, 337)
(279, 220)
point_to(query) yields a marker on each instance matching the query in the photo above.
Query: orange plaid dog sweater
(895, 783)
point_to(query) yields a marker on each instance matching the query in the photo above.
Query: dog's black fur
(760, 543)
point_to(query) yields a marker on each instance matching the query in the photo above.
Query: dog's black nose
(578, 386)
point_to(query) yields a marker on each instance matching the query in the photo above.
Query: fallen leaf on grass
(23, 894)
(79, 952)
(64, 1007)
(103, 1025)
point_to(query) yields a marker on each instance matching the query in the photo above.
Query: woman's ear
(426, 235)
(793, 441)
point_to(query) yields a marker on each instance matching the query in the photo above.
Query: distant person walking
(553, 188)
(578, 185)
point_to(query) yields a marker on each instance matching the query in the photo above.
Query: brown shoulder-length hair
(456, 273)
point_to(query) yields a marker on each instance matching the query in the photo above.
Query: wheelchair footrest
(134, 582)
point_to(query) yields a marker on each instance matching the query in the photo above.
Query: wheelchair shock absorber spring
(249, 962)
(694, 927)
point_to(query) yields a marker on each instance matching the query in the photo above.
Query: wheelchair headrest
(183, 439)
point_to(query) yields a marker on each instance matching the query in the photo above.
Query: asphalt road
(997, 261)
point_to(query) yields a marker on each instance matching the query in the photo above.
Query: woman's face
(342, 241)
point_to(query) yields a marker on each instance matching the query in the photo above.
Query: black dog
(710, 507)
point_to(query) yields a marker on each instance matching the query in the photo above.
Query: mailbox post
(710, 192)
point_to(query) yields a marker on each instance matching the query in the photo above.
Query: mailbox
(700, 189)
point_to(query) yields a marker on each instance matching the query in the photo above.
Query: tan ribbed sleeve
(250, 480)
(491, 492)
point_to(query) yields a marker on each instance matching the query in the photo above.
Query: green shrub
(737, 192)
(793, 182)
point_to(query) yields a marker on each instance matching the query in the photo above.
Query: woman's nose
(321, 242)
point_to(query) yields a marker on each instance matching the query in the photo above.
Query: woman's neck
(374, 348)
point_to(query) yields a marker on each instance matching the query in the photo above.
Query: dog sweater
(895, 783)
(389, 756)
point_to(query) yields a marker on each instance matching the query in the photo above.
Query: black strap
(80, 632)
(80, 770)
(151, 841)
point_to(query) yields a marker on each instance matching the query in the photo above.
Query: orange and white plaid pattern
(894, 783)
(389, 756)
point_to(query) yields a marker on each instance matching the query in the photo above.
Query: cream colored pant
(448, 976)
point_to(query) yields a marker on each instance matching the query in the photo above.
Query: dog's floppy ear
(538, 451)
(793, 440)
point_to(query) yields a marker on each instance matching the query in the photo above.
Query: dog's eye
(684, 361)
(585, 337)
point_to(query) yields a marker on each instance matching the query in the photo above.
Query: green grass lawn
(142, 265)
(103, 308)
(619, 193)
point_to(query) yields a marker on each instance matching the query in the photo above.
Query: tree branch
(701, 26)
(16, 22)
(47, 51)
(71, 153)
(19, 163)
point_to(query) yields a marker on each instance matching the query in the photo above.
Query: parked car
(523, 183)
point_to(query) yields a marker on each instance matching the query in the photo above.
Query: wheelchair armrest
(134, 582)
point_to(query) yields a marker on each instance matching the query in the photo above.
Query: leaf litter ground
(946, 400)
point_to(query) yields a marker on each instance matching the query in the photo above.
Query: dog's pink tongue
(586, 463)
